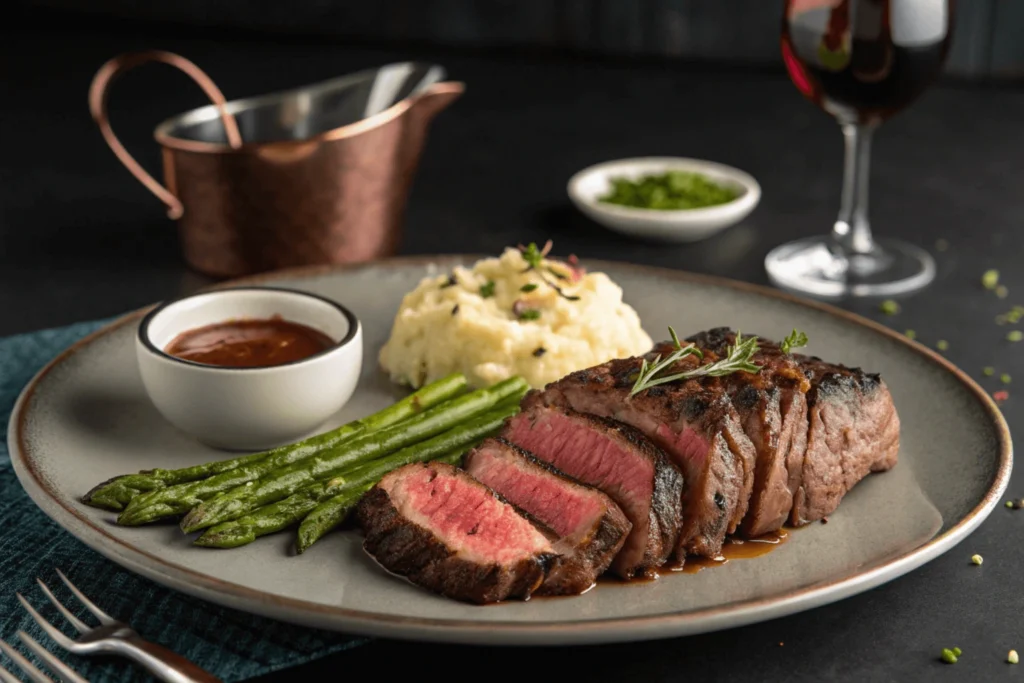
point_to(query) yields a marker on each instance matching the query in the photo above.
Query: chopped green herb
(1009, 504)
(794, 340)
(668, 191)
(947, 656)
(1002, 292)
(528, 287)
(1014, 335)
(977, 559)
(529, 314)
(1004, 378)
(942, 345)
(911, 334)
(889, 307)
(957, 651)
(988, 371)
(1012, 657)
(487, 289)
(990, 279)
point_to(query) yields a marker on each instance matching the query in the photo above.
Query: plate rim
(468, 631)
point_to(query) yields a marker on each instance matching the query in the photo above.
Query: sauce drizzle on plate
(249, 343)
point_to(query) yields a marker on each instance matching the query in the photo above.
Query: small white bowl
(683, 225)
(249, 408)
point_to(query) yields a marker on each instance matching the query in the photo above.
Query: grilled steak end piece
(588, 526)
(447, 532)
(619, 461)
(854, 430)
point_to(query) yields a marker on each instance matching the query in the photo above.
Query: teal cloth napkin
(231, 645)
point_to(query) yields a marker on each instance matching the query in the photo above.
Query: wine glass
(861, 61)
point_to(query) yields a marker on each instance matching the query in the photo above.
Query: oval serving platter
(86, 417)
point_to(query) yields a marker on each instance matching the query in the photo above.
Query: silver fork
(34, 674)
(110, 637)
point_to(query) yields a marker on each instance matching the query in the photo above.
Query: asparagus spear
(332, 512)
(177, 500)
(120, 491)
(450, 446)
(282, 482)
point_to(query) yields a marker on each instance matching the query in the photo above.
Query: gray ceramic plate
(86, 418)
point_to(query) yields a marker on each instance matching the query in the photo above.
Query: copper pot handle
(98, 107)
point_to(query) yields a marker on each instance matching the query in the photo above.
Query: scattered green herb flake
(794, 340)
(529, 314)
(487, 289)
(1004, 378)
(910, 334)
(977, 559)
(1002, 292)
(1014, 335)
(990, 279)
(941, 244)
(988, 371)
(942, 345)
(669, 191)
(889, 307)
(947, 656)
(1009, 504)
(957, 651)
(1012, 657)
(528, 287)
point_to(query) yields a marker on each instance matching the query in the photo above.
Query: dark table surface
(81, 239)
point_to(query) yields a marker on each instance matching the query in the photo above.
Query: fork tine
(50, 629)
(7, 677)
(30, 670)
(104, 618)
(75, 621)
(56, 665)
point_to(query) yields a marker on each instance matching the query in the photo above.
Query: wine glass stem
(852, 230)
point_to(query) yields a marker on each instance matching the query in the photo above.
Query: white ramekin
(249, 408)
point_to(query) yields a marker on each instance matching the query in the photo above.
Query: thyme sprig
(795, 340)
(738, 358)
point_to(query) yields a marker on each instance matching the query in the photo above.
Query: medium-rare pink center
(563, 508)
(687, 449)
(468, 517)
(592, 457)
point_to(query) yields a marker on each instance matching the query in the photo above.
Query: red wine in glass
(862, 61)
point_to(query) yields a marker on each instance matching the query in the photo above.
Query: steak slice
(696, 425)
(772, 408)
(853, 430)
(447, 532)
(621, 462)
(589, 526)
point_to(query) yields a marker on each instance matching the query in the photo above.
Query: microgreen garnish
(911, 334)
(528, 287)
(942, 345)
(1014, 335)
(889, 307)
(533, 256)
(947, 656)
(529, 314)
(737, 359)
(487, 289)
(1004, 378)
(990, 279)
(988, 371)
(795, 340)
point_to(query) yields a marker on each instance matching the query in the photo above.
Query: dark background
(81, 239)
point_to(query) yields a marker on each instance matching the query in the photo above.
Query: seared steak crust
(587, 526)
(618, 460)
(409, 549)
(696, 425)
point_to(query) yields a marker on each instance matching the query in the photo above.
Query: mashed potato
(489, 332)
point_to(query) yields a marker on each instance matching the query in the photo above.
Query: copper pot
(315, 175)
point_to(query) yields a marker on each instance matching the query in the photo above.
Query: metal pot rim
(209, 112)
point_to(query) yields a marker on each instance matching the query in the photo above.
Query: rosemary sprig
(795, 340)
(737, 359)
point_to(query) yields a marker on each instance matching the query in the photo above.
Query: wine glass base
(809, 266)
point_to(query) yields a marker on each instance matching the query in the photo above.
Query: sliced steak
(695, 424)
(621, 462)
(853, 430)
(589, 526)
(772, 408)
(447, 532)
